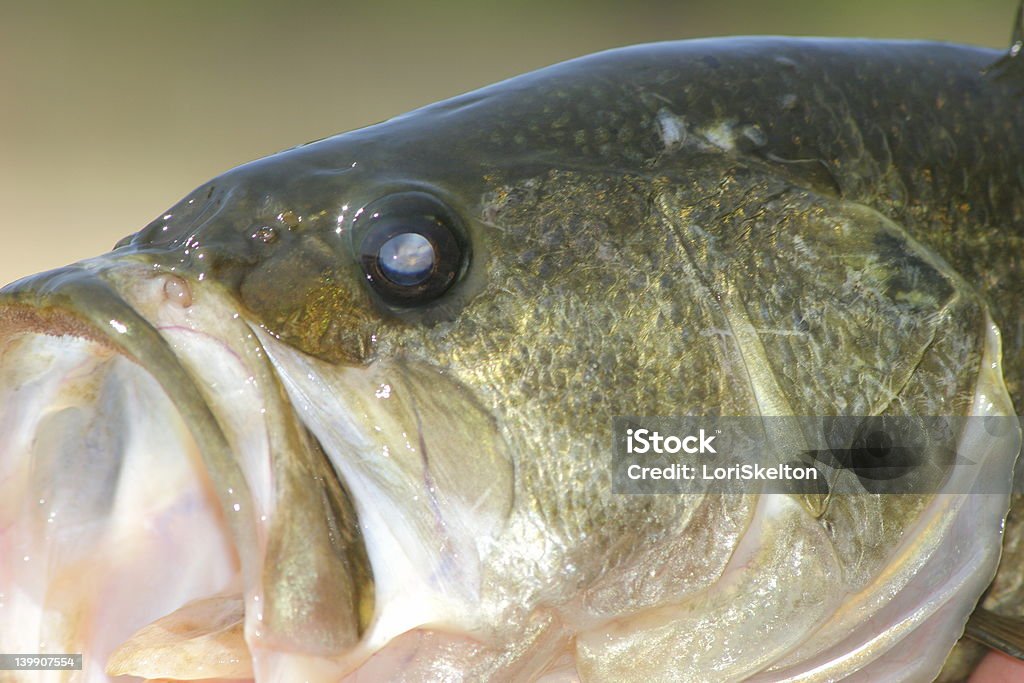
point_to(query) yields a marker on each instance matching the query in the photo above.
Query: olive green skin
(587, 294)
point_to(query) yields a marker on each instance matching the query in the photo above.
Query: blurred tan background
(112, 110)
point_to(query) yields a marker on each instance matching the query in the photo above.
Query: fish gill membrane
(233, 449)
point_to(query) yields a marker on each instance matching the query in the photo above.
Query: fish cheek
(312, 298)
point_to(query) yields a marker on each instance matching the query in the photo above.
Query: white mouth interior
(103, 498)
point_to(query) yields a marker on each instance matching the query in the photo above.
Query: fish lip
(78, 301)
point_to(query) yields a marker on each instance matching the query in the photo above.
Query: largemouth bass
(346, 412)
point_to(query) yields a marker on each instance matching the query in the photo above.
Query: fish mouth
(153, 476)
(76, 303)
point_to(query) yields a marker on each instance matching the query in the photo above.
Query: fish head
(350, 408)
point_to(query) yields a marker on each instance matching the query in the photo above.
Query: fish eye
(411, 248)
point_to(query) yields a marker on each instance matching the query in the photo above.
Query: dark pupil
(407, 259)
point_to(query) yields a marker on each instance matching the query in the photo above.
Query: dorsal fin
(1011, 64)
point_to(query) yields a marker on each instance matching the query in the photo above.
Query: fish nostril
(177, 291)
